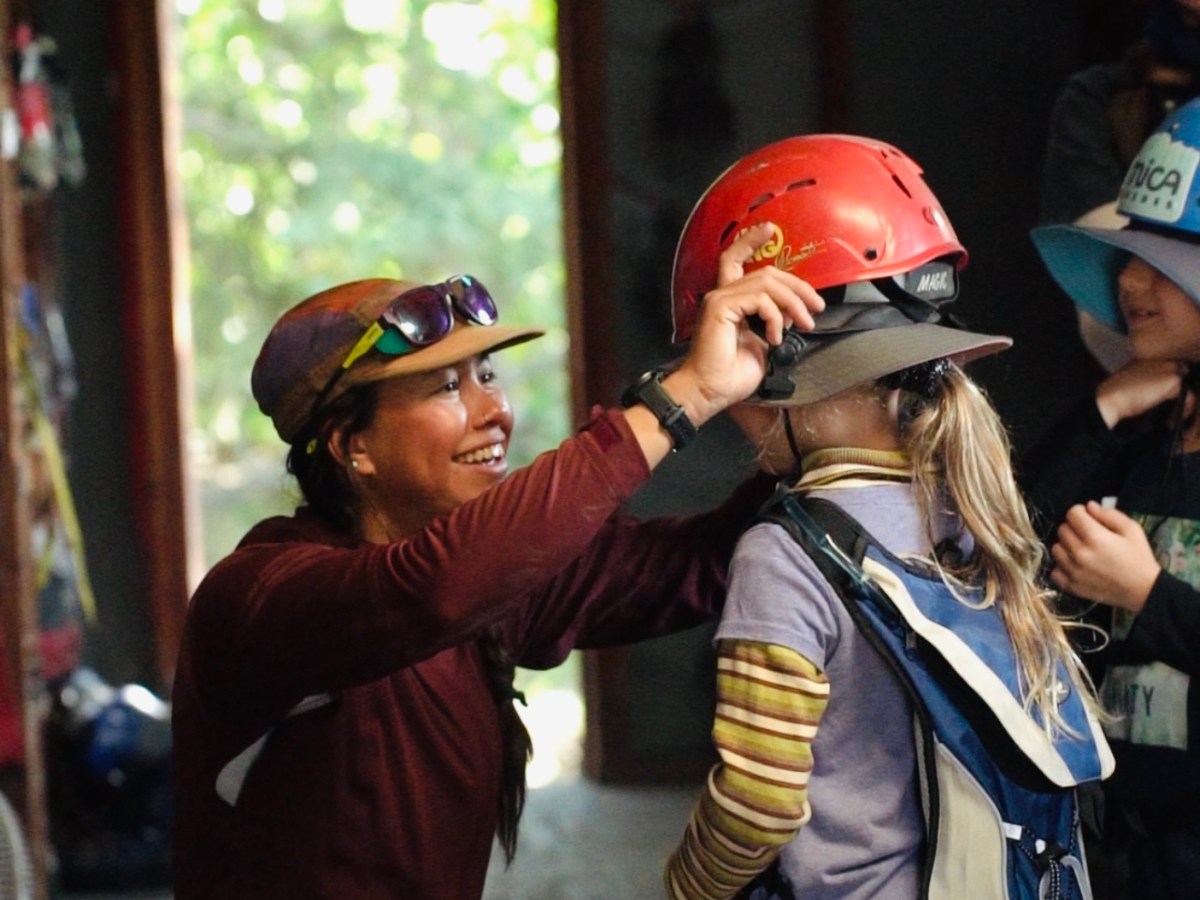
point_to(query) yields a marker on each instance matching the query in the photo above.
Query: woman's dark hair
(518, 746)
(323, 480)
(328, 491)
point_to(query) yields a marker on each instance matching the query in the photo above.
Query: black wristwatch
(648, 391)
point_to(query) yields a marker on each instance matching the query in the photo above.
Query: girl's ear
(891, 399)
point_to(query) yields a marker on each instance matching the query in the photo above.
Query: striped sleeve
(769, 702)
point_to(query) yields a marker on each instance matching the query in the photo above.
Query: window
(328, 142)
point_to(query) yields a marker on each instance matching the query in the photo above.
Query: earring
(354, 463)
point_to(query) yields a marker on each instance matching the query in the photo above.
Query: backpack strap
(839, 560)
(969, 658)
(839, 546)
(835, 540)
(837, 543)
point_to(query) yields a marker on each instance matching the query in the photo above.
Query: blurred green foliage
(325, 142)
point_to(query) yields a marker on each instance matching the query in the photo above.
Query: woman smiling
(344, 721)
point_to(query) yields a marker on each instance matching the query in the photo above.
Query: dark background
(964, 87)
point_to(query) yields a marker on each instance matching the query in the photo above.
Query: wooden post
(18, 600)
(157, 317)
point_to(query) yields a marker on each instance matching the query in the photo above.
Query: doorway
(322, 143)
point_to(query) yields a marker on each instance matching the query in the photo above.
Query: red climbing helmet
(846, 209)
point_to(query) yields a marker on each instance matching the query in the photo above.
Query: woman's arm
(294, 614)
(672, 574)
(298, 616)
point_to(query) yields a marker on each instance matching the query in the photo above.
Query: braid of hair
(517, 745)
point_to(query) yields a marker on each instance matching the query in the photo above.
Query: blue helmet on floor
(1160, 196)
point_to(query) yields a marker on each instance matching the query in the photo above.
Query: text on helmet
(1157, 184)
(776, 248)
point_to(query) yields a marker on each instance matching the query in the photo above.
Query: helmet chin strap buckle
(777, 384)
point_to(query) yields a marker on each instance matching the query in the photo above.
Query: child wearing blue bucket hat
(1121, 481)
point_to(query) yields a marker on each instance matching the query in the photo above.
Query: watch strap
(649, 391)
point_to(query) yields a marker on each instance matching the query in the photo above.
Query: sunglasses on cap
(417, 318)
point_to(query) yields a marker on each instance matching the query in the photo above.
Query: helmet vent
(796, 185)
(725, 234)
(900, 184)
(760, 201)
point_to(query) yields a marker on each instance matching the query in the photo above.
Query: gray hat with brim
(1086, 262)
(834, 363)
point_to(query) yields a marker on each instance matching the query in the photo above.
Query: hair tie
(924, 379)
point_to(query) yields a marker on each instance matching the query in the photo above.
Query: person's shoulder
(767, 547)
(268, 544)
(1096, 83)
(1101, 80)
(763, 535)
(869, 504)
(303, 526)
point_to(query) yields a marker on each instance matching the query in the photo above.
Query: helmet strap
(791, 435)
(917, 310)
(920, 293)
(777, 384)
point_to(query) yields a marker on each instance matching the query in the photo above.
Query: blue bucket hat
(1161, 198)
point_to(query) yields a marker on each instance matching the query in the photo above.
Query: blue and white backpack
(1001, 812)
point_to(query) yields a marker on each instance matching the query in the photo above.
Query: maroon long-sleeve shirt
(387, 786)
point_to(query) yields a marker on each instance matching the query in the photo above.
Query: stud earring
(354, 463)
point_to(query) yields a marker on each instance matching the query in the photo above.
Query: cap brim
(834, 365)
(462, 343)
(1086, 262)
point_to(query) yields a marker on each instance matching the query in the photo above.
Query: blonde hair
(961, 455)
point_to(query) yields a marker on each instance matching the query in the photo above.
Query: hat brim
(834, 365)
(464, 342)
(1087, 261)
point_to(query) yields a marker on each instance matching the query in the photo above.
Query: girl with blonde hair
(821, 789)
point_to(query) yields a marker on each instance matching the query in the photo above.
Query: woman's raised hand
(727, 360)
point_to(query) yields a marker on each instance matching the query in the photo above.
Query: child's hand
(1103, 555)
(1138, 387)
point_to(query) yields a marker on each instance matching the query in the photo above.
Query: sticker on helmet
(781, 252)
(935, 280)
(771, 248)
(1158, 182)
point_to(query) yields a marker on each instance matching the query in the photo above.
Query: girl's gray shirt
(864, 839)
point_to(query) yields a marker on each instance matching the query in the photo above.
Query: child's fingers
(1066, 548)
(1110, 518)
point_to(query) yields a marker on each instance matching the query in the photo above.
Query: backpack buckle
(1049, 853)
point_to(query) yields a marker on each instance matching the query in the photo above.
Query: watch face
(635, 392)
